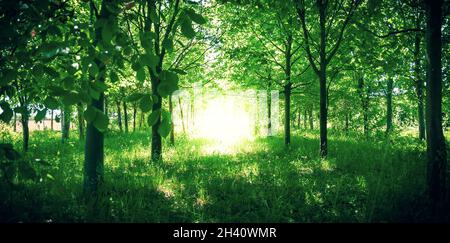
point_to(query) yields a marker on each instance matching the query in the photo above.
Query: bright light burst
(226, 122)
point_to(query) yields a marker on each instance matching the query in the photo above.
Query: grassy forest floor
(376, 181)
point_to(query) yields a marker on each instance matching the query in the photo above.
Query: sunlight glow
(225, 121)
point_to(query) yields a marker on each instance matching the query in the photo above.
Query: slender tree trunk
(25, 130)
(125, 115)
(364, 97)
(305, 120)
(269, 112)
(172, 126)
(51, 120)
(141, 120)
(80, 121)
(15, 122)
(288, 90)
(181, 115)
(389, 105)
(299, 122)
(134, 116)
(94, 146)
(65, 126)
(419, 81)
(323, 84)
(119, 116)
(311, 118)
(436, 148)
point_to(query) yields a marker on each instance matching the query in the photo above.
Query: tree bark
(65, 125)
(389, 105)
(323, 83)
(436, 148)
(119, 116)
(125, 115)
(311, 118)
(80, 121)
(419, 81)
(288, 89)
(172, 126)
(51, 120)
(94, 146)
(15, 122)
(25, 130)
(181, 115)
(134, 116)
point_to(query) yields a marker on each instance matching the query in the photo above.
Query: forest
(224, 111)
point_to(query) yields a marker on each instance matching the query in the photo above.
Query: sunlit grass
(260, 181)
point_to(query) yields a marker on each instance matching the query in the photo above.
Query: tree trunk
(51, 120)
(94, 146)
(172, 126)
(156, 146)
(119, 116)
(389, 105)
(134, 116)
(311, 118)
(141, 120)
(125, 115)
(181, 115)
(80, 121)
(288, 90)
(25, 131)
(436, 148)
(323, 83)
(305, 118)
(269, 112)
(419, 81)
(65, 126)
(15, 122)
(364, 97)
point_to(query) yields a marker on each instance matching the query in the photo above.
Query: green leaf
(7, 77)
(26, 170)
(40, 115)
(140, 74)
(51, 103)
(90, 114)
(94, 93)
(146, 103)
(164, 128)
(99, 86)
(101, 122)
(68, 82)
(113, 77)
(107, 33)
(93, 69)
(134, 97)
(168, 45)
(56, 90)
(169, 83)
(197, 18)
(51, 72)
(186, 28)
(38, 70)
(71, 98)
(153, 117)
(150, 60)
(7, 113)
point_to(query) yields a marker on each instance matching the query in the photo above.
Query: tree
(436, 148)
(328, 30)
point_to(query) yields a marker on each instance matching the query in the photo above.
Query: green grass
(361, 181)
